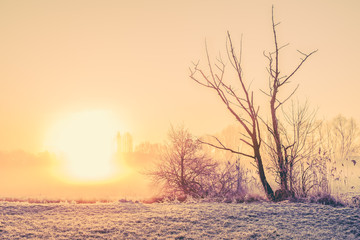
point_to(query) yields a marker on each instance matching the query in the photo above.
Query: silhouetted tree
(240, 103)
(183, 167)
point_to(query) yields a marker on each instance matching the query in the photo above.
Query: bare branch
(222, 147)
(282, 102)
(298, 67)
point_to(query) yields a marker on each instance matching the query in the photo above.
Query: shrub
(327, 199)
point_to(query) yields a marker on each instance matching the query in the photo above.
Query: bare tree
(344, 134)
(300, 146)
(321, 152)
(340, 142)
(240, 103)
(276, 83)
(183, 167)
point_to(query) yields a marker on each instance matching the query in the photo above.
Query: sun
(85, 140)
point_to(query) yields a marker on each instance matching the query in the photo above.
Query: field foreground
(178, 221)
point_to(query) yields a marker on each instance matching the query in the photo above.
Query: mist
(26, 175)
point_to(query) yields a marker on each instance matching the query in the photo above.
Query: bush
(327, 199)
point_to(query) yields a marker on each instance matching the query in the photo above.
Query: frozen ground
(178, 221)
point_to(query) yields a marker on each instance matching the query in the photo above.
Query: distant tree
(239, 101)
(148, 148)
(343, 137)
(340, 142)
(183, 167)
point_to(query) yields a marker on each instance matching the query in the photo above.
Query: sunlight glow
(86, 142)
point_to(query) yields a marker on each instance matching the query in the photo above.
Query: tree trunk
(291, 175)
(281, 163)
(267, 188)
(182, 180)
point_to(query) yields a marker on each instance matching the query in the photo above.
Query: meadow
(189, 220)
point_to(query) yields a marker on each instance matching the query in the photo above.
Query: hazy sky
(132, 58)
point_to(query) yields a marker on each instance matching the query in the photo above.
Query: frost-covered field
(178, 221)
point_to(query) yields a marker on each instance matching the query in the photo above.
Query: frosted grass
(178, 221)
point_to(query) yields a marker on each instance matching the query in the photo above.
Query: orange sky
(132, 58)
